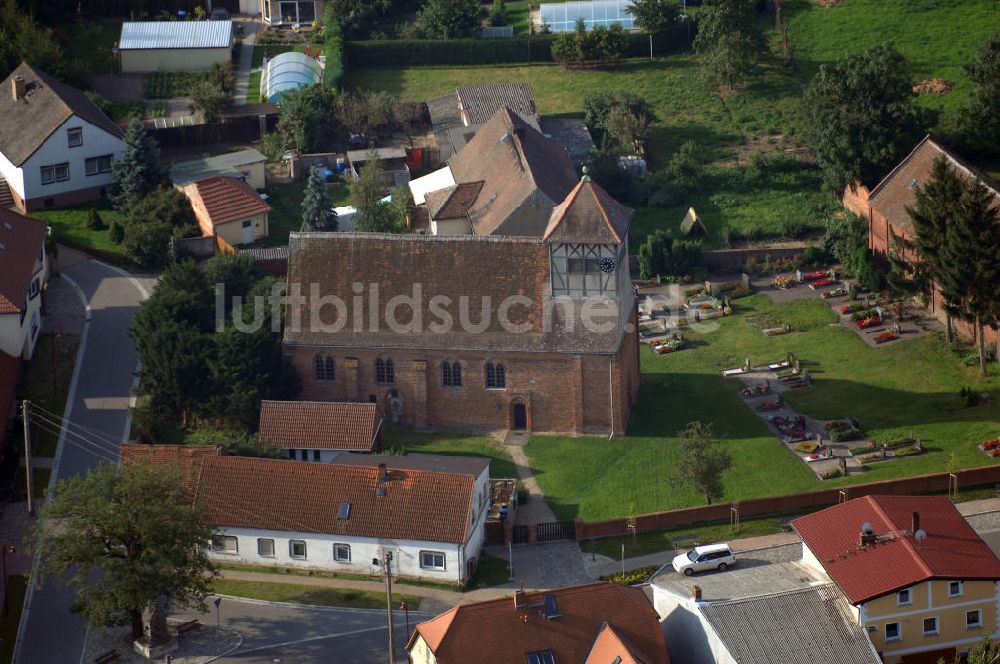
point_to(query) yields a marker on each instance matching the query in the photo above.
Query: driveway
(279, 632)
(98, 400)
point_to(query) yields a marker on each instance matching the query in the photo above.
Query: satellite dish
(920, 535)
(866, 528)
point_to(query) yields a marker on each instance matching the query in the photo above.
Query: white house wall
(173, 59)
(56, 150)
(11, 334)
(689, 637)
(15, 336)
(12, 174)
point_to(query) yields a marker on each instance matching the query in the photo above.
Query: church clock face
(607, 265)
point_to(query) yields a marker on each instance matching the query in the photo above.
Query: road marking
(313, 638)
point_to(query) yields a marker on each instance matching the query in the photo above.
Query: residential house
(172, 46)
(885, 206)
(56, 146)
(291, 12)
(337, 517)
(759, 613)
(246, 165)
(460, 354)
(596, 623)
(921, 582)
(320, 430)
(23, 279)
(228, 208)
(458, 116)
(511, 178)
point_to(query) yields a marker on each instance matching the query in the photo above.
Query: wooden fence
(937, 482)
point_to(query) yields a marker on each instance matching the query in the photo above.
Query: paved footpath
(99, 399)
(244, 70)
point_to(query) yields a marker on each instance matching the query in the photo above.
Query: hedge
(333, 49)
(538, 48)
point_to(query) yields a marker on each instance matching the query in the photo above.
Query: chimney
(916, 522)
(867, 535)
(18, 87)
(696, 593)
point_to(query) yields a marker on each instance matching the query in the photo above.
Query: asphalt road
(276, 632)
(50, 633)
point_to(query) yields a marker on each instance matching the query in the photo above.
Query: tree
(116, 232)
(138, 172)
(24, 40)
(152, 220)
(305, 120)
(701, 462)
(498, 14)
(980, 120)
(685, 167)
(209, 99)
(450, 19)
(930, 218)
(860, 118)
(146, 551)
(94, 221)
(728, 40)
(663, 255)
(971, 261)
(844, 231)
(366, 197)
(601, 44)
(654, 16)
(986, 652)
(628, 130)
(317, 211)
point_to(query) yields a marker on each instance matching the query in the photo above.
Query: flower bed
(783, 282)
(821, 283)
(908, 451)
(817, 274)
(807, 447)
(835, 292)
(662, 346)
(831, 474)
(870, 321)
(840, 430)
(851, 308)
(991, 444)
(883, 337)
(770, 406)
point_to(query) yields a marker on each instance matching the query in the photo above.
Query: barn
(166, 46)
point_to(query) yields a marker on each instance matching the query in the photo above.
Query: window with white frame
(931, 626)
(98, 165)
(297, 549)
(432, 560)
(956, 588)
(342, 553)
(265, 547)
(74, 136)
(55, 173)
(903, 597)
(225, 544)
(973, 619)
(893, 631)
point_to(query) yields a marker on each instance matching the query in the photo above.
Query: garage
(170, 46)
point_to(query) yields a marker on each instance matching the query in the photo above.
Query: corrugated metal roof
(813, 625)
(145, 35)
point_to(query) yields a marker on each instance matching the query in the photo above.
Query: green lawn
(518, 16)
(416, 442)
(46, 384)
(303, 594)
(253, 89)
(286, 208)
(70, 224)
(938, 38)
(910, 386)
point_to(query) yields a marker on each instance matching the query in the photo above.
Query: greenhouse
(286, 72)
(562, 17)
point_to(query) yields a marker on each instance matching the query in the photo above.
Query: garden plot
(877, 321)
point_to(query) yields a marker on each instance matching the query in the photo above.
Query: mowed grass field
(938, 38)
(907, 387)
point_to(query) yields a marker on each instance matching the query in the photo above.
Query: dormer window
(75, 137)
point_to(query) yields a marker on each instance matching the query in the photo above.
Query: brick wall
(561, 392)
(937, 482)
(855, 199)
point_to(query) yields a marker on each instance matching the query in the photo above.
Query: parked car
(701, 558)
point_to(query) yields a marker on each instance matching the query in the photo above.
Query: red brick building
(493, 332)
(885, 206)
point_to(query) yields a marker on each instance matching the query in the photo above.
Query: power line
(69, 423)
(62, 429)
(97, 451)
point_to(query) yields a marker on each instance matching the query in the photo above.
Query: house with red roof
(320, 430)
(24, 273)
(922, 583)
(228, 208)
(596, 623)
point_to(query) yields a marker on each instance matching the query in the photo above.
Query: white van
(701, 558)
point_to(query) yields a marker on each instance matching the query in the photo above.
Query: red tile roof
(610, 644)
(951, 550)
(495, 631)
(21, 240)
(897, 190)
(589, 214)
(320, 424)
(304, 497)
(228, 199)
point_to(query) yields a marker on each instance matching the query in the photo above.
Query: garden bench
(110, 656)
(188, 627)
(685, 541)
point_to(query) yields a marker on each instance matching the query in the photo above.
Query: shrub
(685, 167)
(969, 397)
(94, 221)
(831, 474)
(815, 257)
(333, 49)
(116, 232)
(632, 577)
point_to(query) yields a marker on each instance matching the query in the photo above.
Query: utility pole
(25, 411)
(387, 568)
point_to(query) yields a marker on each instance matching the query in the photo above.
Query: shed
(167, 46)
(395, 171)
(693, 225)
